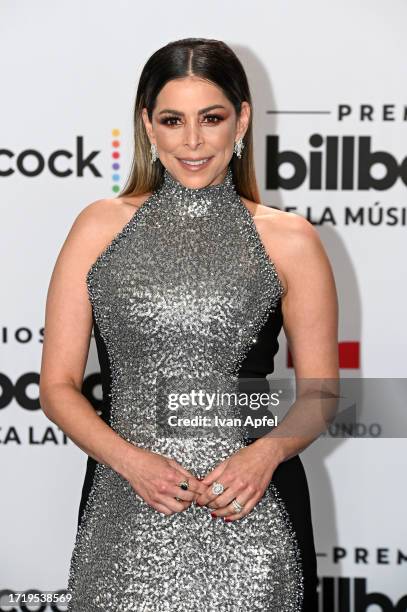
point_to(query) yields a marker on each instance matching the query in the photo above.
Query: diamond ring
(217, 488)
(238, 507)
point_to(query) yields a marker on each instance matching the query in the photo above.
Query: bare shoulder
(289, 230)
(109, 213)
(290, 240)
(100, 221)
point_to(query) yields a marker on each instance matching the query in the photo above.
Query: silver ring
(238, 507)
(217, 488)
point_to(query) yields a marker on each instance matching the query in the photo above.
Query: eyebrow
(203, 110)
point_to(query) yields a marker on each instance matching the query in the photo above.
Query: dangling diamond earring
(238, 147)
(154, 153)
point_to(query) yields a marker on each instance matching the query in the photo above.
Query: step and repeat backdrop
(330, 123)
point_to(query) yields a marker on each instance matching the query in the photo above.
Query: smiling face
(192, 121)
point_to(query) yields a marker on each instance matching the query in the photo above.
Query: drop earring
(238, 147)
(154, 153)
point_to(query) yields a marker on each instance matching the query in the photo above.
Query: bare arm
(68, 326)
(310, 313)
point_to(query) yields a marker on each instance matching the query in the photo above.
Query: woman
(176, 277)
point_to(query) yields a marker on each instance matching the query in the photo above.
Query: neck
(211, 200)
(179, 193)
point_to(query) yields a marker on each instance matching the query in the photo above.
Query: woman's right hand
(156, 479)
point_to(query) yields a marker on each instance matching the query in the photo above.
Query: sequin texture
(181, 292)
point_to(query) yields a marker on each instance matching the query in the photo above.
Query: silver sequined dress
(186, 289)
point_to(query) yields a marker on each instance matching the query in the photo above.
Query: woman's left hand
(245, 476)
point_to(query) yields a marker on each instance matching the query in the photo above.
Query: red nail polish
(213, 515)
(227, 520)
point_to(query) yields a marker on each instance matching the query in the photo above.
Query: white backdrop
(69, 76)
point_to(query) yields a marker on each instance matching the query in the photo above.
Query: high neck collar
(198, 200)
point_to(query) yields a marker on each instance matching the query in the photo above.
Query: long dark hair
(206, 58)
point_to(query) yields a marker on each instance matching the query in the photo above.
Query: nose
(193, 135)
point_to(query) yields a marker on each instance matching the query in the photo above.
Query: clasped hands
(245, 476)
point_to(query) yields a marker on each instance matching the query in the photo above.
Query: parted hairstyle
(208, 59)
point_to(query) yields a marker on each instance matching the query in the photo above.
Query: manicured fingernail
(227, 519)
(213, 515)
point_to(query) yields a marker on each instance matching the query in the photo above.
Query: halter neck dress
(185, 295)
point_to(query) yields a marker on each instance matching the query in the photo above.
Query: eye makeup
(213, 118)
